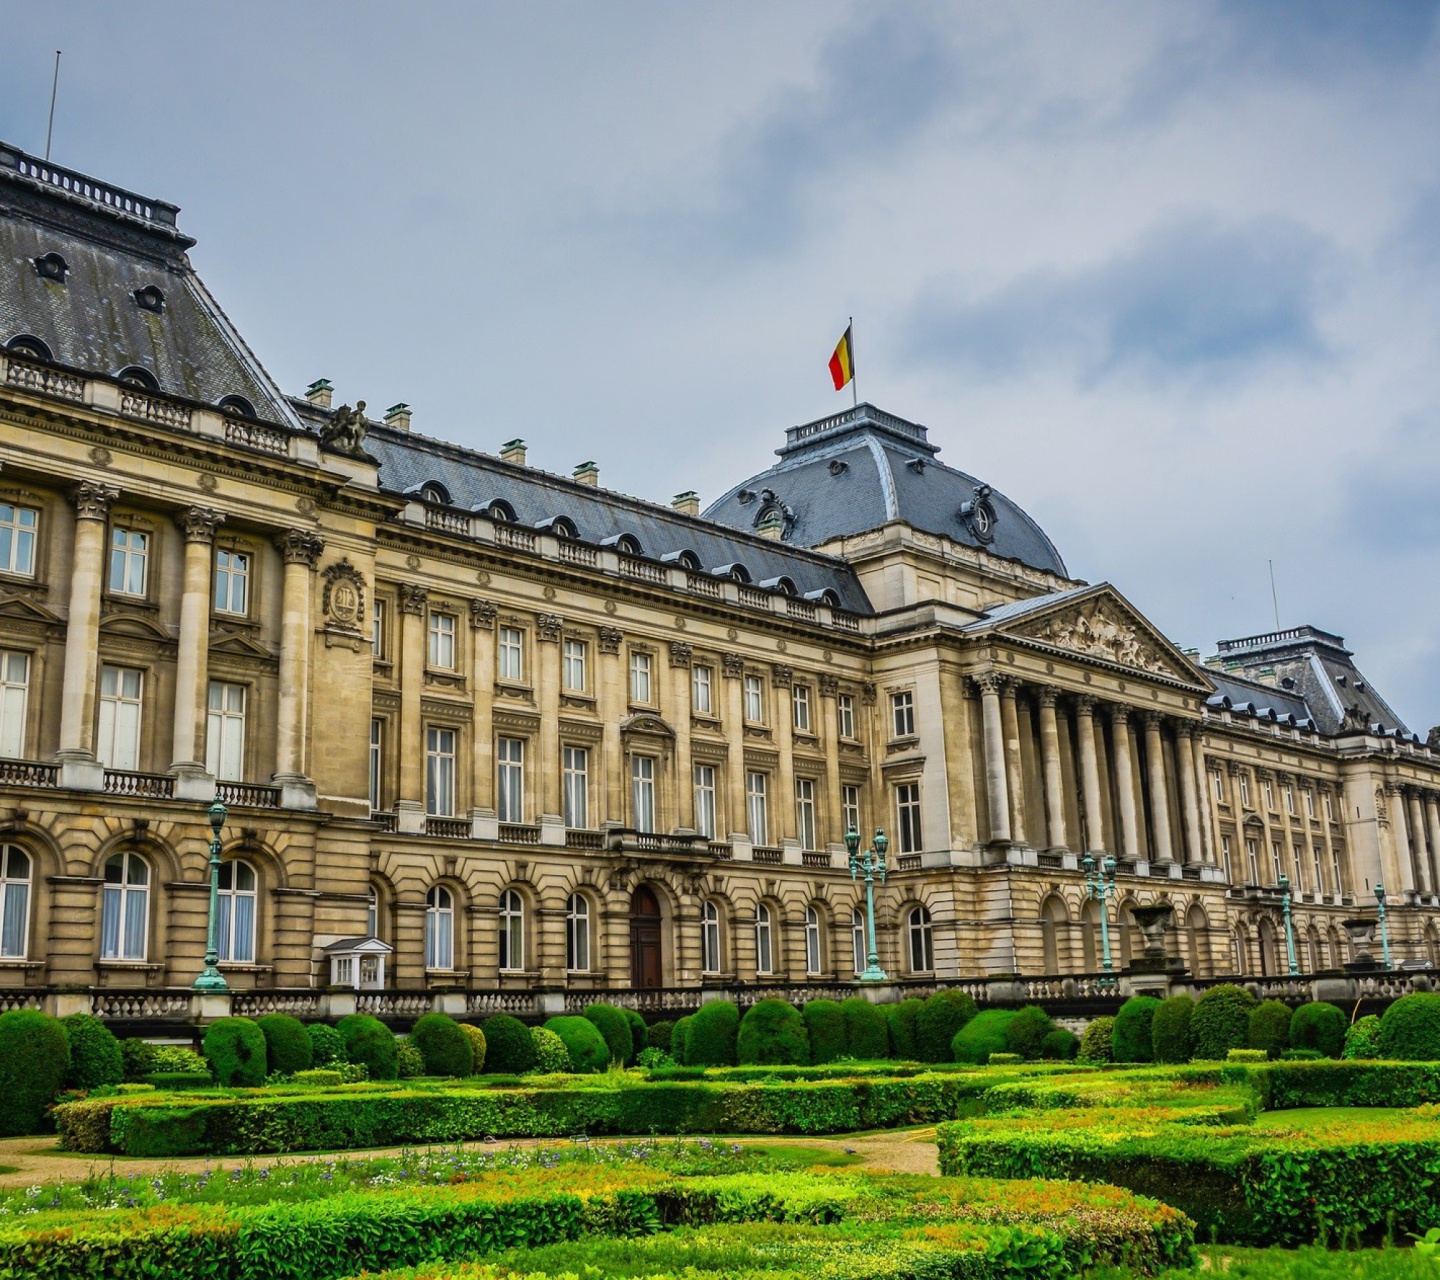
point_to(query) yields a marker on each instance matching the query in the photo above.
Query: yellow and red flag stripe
(842, 363)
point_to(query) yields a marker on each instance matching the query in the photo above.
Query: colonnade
(1415, 821)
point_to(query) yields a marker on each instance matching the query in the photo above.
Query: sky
(1167, 275)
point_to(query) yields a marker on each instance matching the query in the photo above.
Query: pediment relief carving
(132, 624)
(232, 644)
(1101, 629)
(19, 608)
(644, 723)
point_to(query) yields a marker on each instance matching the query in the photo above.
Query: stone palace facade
(486, 730)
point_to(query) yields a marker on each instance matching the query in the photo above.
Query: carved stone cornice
(548, 627)
(482, 615)
(92, 499)
(680, 654)
(733, 664)
(782, 675)
(611, 638)
(413, 598)
(198, 524)
(300, 546)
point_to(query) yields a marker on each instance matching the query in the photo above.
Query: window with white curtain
(14, 700)
(441, 654)
(805, 812)
(812, 941)
(512, 931)
(800, 705)
(372, 913)
(510, 779)
(573, 666)
(118, 742)
(576, 769)
(235, 913)
(232, 582)
(125, 907)
(754, 700)
(439, 928)
(377, 635)
(710, 938)
(577, 933)
(439, 771)
(15, 872)
(225, 731)
(845, 715)
(859, 953)
(642, 792)
(702, 690)
(705, 800)
(755, 801)
(640, 677)
(849, 809)
(922, 940)
(764, 941)
(377, 760)
(510, 654)
(17, 539)
(129, 560)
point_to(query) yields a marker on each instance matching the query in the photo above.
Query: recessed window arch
(625, 543)
(134, 376)
(372, 912)
(685, 559)
(920, 929)
(17, 869)
(1054, 933)
(237, 406)
(764, 939)
(439, 928)
(498, 509)
(710, 958)
(28, 347)
(560, 526)
(150, 298)
(512, 931)
(814, 935)
(734, 571)
(51, 266)
(235, 912)
(125, 907)
(577, 933)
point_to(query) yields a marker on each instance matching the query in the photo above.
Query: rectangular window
(1317, 862)
(118, 746)
(805, 812)
(1289, 794)
(439, 772)
(573, 665)
(800, 700)
(441, 656)
(1244, 779)
(907, 817)
(1299, 885)
(849, 808)
(225, 731)
(232, 582)
(17, 539)
(1329, 808)
(754, 700)
(1252, 861)
(1335, 877)
(1309, 802)
(640, 678)
(377, 623)
(642, 791)
(129, 559)
(510, 779)
(705, 800)
(377, 757)
(1269, 792)
(1275, 863)
(15, 872)
(1225, 858)
(902, 711)
(14, 697)
(510, 654)
(702, 685)
(845, 715)
(575, 765)
(755, 804)
(1217, 785)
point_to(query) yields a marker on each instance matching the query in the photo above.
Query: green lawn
(1296, 1264)
(1306, 1119)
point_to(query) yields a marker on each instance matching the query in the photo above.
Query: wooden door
(645, 958)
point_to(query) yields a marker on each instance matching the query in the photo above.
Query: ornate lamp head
(1380, 893)
(1088, 864)
(881, 843)
(1283, 883)
(1110, 865)
(218, 815)
(852, 841)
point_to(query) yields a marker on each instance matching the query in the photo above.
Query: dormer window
(135, 376)
(434, 492)
(735, 571)
(237, 406)
(559, 526)
(625, 543)
(27, 347)
(150, 298)
(497, 510)
(978, 515)
(51, 266)
(684, 559)
(785, 586)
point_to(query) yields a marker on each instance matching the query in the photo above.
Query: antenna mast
(54, 87)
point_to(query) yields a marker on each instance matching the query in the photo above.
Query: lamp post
(211, 979)
(1100, 883)
(871, 862)
(1284, 883)
(1384, 929)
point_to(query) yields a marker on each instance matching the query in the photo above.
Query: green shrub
(639, 1035)
(1170, 1030)
(900, 1020)
(940, 1017)
(1302, 1055)
(287, 1044)
(1270, 1027)
(653, 1059)
(1025, 1033)
(1060, 1045)
(1131, 1038)
(983, 1035)
(583, 1042)
(326, 1044)
(615, 1030)
(476, 1037)
(320, 1077)
(1095, 1042)
(1319, 1026)
(772, 1032)
(658, 1035)
(95, 1057)
(443, 1045)
(825, 1025)
(679, 1034)
(1410, 1028)
(139, 1058)
(1362, 1039)
(179, 1057)
(510, 1051)
(34, 1060)
(1005, 1059)
(866, 1038)
(409, 1061)
(180, 1080)
(1221, 1021)
(551, 1055)
(369, 1041)
(1247, 1055)
(235, 1050)
(710, 1037)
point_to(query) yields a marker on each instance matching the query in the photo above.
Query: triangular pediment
(136, 626)
(23, 609)
(233, 644)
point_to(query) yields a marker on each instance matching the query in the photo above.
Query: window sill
(577, 701)
(137, 604)
(447, 679)
(245, 966)
(136, 965)
(27, 580)
(521, 691)
(907, 743)
(20, 962)
(804, 738)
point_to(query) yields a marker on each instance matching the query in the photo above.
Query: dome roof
(863, 468)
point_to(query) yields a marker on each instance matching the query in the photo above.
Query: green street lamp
(871, 862)
(1284, 883)
(1100, 883)
(211, 979)
(1384, 929)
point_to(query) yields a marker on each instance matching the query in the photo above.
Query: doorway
(645, 958)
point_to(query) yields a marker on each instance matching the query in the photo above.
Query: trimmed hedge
(639, 1035)
(1132, 1036)
(139, 1058)
(679, 1034)
(1095, 1043)
(658, 1035)
(444, 1046)
(940, 1017)
(287, 1044)
(900, 1022)
(711, 1034)
(866, 1038)
(551, 1055)
(1318, 1026)
(34, 1060)
(1170, 1030)
(409, 1062)
(326, 1044)
(825, 1025)
(1061, 1045)
(772, 1032)
(1410, 1028)
(982, 1035)
(583, 1042)
(1221, 1021)
(95, 1057)
(478, 1047)
(1025, 1033)
(370, 1042)
(614, 1029)
(1362, 1040)
(1270, 1027)
(235, 1050)
(510, 1051)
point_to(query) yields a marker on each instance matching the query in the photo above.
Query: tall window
(441, 656)
(225, 731)
(812, 941)
(512, 931)
(902, 714)
(17, 539)
(575, 766)
(1275, 863)
(118, 746)
(710, 938)
(642, 792)
(845, 715)
(1289, 796)
(235, 912)
(754, 700)
(573, 666)
(439, 771)
(800, 702)
(125, 907)
(849, 808)
(510, 654)
(14, 902)
(1317, 861)
(372, 913)
(1244, 780)
(907, 817)
(510, 779)
(805, 812)
(129, 559)
(440, 928)
(232, 581)
(1217, 785)
(1252, 860)
(640, 677)
(922, 940)
(377, 760)
(705, 800)
(755, 784)
(14, 696)
(377, 625)
(1329, 808)
(859, 953)
(702, 690)
(1336, 879)
(1269, 790)
(764, 941)
(1225, 858)
(1295, 857)
(1309, 802)
(577, 933)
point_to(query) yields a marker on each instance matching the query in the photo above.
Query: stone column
(1090, 773)
(1162, 850)
(782, 806)
(680, 698)
(1014, 764)
(1189, 791)
(482, 729)
(1050, 767)
(198, 524)
(997, 793)
(548, 629)
(1422, 849)
(1306, 856)
(1125, 780)
(737, 819)
(300, 550)
(612, 698)
(82, 627)
(1209, 830)
(1432, 818)
(1399, 827)
(410, 806)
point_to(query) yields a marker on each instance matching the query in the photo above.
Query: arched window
(125, 907)
(764, 941)
(499, 510)
(1240, 947)
(28, 347)
(922, 940)
(1053, 934)
(577, 932)
(710, 938)
(440, 928)
(1197, 930)
(434, 492)
(1090, 940)
(512, 931)
(858, 951)
(135, 376)
(15, 869)
(235, 914)
(237, 406)
(372, 913)
(812, 941)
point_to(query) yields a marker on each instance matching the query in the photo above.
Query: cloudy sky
(1167, 274)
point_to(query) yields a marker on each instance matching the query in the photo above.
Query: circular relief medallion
(101, 456)
(1121, 684)
(550, 593)
(1049, 668)
(306, 506)
(483, 578)
(208, 483)
(781, 645)
(827, 655)
(610, 606)
(1087, 677)
(680, 624)
(412, 562)
(731, 633)
(1010, 658)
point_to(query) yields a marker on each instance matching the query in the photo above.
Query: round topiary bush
(586, 1046)
(235, 1050)
(981, 1036)
(1221, 1022)
(371, 1042)
(1362, 1039)
(1130, 1039)
(1095, 1042)
(825, 1026)
(866, 1038)
(551, 1055)
(287, 1044)
(478, 1047)
(679, 1034)
(710, 1037)
(409, 1062)
(1410, 1028)
(326, 1044)
(1319, 1026)
(639, 1036)
(658, 1035)
(95, 1056)
(1270, 1027)
(615, 1028)
(1025, 1033)
(511, 1051)
(34, 1058)
(940, 1017)
(772, 1033)
(1060, 1046)
(443, 1045)
(139, 1058)
(900, 1020)
(1170, 1029)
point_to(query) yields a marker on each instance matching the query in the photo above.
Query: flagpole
(854, 381)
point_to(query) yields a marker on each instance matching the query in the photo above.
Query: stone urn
(1361, 931)
(1153, 921)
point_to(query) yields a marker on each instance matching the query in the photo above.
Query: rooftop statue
(345, 432)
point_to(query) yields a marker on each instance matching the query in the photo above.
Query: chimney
(687, 503)
(513, 451)
(398, 416)
(318, 393)
(587, 473)
(772, 526)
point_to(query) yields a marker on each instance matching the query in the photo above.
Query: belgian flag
(842, 363)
